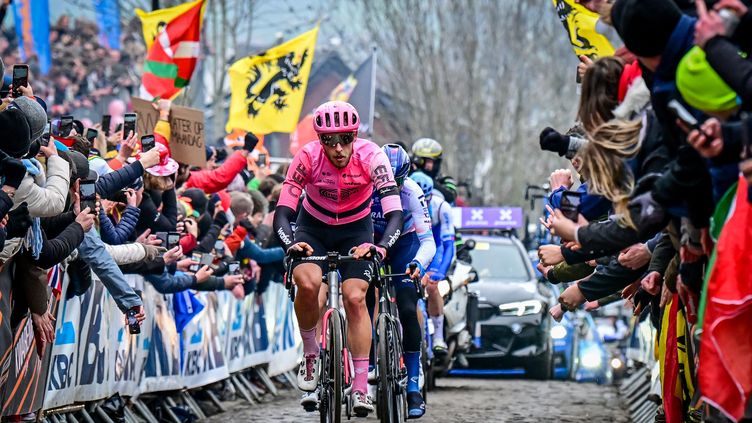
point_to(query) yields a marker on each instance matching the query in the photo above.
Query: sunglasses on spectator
(331, 140)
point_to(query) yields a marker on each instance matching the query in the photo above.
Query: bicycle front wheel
(332, 386)
(391, 397)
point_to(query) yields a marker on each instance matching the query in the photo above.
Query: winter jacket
(211, 181)
(126, 253)
(609, 279)
(145, 267)
(734, 69)
(94, 252)
(167, 283)
(109, 184)
(564, 272)
(50, 200)
(253, 251)
(55, 250)
(687, 179)
(151, 218)
(123, 231)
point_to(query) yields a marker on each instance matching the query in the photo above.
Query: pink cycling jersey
(339, 196)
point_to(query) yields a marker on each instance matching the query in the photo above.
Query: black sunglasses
(331, 140)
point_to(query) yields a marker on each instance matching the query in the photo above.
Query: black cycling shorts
(324, 238)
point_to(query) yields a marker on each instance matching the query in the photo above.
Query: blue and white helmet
(400, 161)
(424, 182)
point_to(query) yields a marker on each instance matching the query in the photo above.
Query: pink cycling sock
(310, 346)
(360, 383)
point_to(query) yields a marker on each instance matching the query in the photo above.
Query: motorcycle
(460, 313)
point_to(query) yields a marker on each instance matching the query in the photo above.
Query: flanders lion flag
(153, 22)
(580, 23)
(268, 89)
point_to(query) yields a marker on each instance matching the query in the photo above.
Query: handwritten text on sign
(186, 126)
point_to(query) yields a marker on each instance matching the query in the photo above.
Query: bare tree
(481, 76)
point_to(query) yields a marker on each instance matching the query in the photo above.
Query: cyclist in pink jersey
(338, 175)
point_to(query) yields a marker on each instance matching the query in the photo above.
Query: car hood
(495, 291)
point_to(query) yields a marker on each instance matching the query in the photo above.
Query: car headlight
(616, 363)
(592, 358)
(521, 308)
(558, 332)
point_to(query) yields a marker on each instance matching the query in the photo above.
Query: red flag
(672, 401)
(172, 58)
(725, 368)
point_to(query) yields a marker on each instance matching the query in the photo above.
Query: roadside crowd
(658, 210)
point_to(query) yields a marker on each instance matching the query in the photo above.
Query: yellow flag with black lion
(268, 88)
(580, 24)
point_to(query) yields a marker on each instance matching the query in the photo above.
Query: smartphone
(570, 204)
(147, 143)
(196, 257)
(233, 268)
(88, 192)
(173, 240)
(219, 247)
(129, 124)
(681, 113)
(91, 134)
(206, 260)
(45, 141)
(133, 326)
(20, 79)
(106, 119)
(66, 125)
(261, 160)
(162, 236)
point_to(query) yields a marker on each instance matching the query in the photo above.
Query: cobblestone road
(470, 400)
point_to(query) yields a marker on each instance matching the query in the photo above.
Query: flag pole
(373, 93)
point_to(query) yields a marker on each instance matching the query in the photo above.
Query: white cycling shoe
(361, 404)
(308, 373)
(310, 400)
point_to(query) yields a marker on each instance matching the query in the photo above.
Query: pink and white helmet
(335, 116)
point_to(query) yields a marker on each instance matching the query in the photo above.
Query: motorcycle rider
(427, 153)
(443, 234)
(415, 246)
(339, 175)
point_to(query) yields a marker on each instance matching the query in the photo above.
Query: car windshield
(499, 261)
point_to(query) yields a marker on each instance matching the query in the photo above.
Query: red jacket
(235, 240)
(211, 181)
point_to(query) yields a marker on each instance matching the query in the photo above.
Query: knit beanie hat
(15, 135)
(701, 86)
(35, 115)
(645, 26)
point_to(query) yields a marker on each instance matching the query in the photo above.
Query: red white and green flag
(172, 57)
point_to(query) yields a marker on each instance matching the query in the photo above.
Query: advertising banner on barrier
(202, 358)
(282, 326)
(27, 373)
(162, 367)
(247, 342)
(188, 340)
(93, 355)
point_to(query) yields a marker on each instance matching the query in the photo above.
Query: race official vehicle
(513, 331)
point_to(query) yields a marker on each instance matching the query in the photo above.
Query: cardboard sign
(187, 130)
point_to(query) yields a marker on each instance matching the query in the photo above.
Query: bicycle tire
(390, 409)
(333, 387)
(399, 369)
(426, 367)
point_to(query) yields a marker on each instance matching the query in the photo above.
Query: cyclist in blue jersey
(415, 245)
(443, 234)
